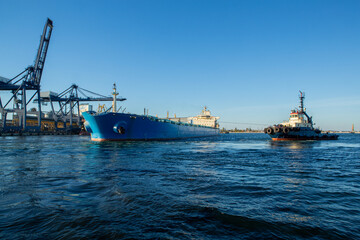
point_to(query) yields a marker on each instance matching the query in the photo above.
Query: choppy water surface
(232, 186)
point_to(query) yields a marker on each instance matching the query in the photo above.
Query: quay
(39, 133)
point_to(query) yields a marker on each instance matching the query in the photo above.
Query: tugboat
(299, 127)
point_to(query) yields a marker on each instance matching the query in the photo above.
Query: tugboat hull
(294, 134)
(297, 138)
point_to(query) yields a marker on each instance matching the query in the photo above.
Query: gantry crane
(69, 104)
(20, 85)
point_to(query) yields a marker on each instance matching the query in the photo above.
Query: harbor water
(234, 186)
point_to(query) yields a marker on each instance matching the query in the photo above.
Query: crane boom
(42, 51)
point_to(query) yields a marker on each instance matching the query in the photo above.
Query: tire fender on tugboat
(269, 130)
(286, 130)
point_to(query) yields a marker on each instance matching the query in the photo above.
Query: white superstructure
(204, 119)
(297, 119)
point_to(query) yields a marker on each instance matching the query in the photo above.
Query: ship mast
(114, 98)
(302, 96)
(302, 110)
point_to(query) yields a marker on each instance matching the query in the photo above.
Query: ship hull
(300, 134)
(132, 127)
(302, 138)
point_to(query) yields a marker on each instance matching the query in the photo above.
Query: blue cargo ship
(115, 126)
(299, 127)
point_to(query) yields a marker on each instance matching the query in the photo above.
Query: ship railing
(156, 119)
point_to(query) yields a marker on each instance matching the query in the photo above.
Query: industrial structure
(16, 116)
(68, 114)
(25, 83)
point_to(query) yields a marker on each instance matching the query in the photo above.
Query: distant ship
(299, 127)
(114, 126)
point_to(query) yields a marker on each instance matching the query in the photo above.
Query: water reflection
(204, 147)
(294, 144)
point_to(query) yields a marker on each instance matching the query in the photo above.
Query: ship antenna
(302, 96)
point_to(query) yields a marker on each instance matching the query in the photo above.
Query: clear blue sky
(245, 60)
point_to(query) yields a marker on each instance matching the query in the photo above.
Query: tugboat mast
(302, 96)
(302, 110)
